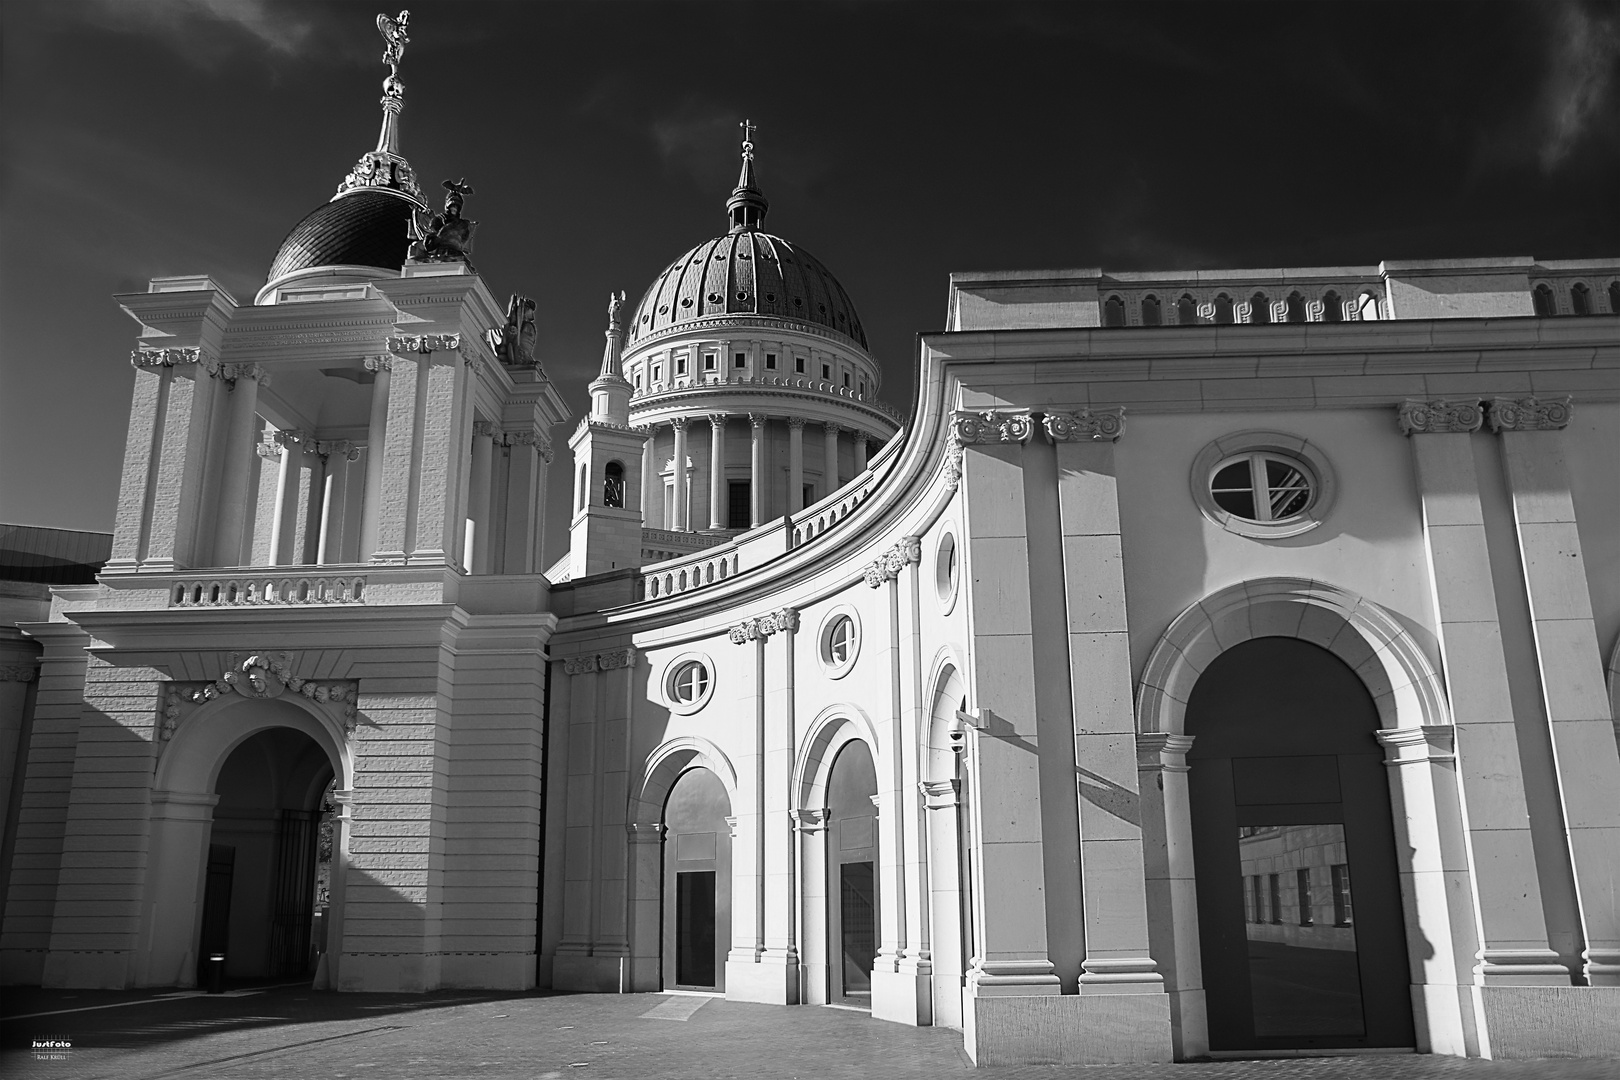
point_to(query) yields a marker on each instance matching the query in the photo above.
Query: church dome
(362, 228)
(747, 272)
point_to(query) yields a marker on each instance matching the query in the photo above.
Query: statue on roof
(513, 344)
(446, 235)
(394, 38)
(615, 302)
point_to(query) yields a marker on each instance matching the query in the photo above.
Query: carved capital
(887, 566)
(580, 665)
(256, 372)
(1093, 425)
(831, 429)
(18, 672)
(991, 425)
(1438, 417)
(778, 621)
(678, 422)
(485, 429)
(717, 420)
(1530, 414)
(756, 421)
(341, 447)
(1161, 750)
(423, 344)
(148, 357)
(378, 363)
(809, 821)
(795, 423)
(617, 658)
(269, 447)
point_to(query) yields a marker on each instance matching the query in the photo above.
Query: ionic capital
(341, 447)
(378, 363)
(1087, 425)
(887, 567)
(147, 357)
(782, 619)
(1530, 414)
(18, 672)
(256, 372)
(486, 430)
(423, 344)
(991, 425)
(603, 661)
(1438, 417)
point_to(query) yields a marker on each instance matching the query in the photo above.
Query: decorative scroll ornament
(18, 672)
(513, 344)
(269, 447)
(341, 447)
(146, 357)
(423, 344)
(989, 425)
(611, 660)
(445, 236)
(887, 566)
(260, 676)
(1438, 417)
(234, 372)
(782, 619)
(1530, 414)
(1095, 425)
(378, 363)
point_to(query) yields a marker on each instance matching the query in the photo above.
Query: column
(810, 842)
(795, 464)
(1113, 886)
(1570, 662)
(376, 437)
(173, 517)
(521, 554)
(1172, 900)
(285, 514)
(717, 471)
(948, 951)
(779, 963)
(1507, 894)
(679, 522)
(398, 463)
(444, 441)
(483, 453)
(241, 439)
(335, 458)
(756, 469)
(140, 460)
(860, 452)
(829, 469)
(649, 480)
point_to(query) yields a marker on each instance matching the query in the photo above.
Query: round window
(945, 572)
(840, 641)
(688, 683)
(1263, 484)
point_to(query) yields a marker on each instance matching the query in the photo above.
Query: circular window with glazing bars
(688, 683)
(839, 642)
(1263, 484)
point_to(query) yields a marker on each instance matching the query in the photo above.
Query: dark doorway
(853, 884)
(259, 907)
(740, 504)
(1290, 805)
(697, 883)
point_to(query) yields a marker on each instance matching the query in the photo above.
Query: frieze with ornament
(887, 566)
(259, 676)
(1530, 414)
(758, 629)
(144, 357)
(1438, 417)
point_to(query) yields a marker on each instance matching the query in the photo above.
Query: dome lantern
(748, 204)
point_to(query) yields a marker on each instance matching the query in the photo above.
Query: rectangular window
(708, 361)
(846, 380)
(1256, 888)
(1341, 894)
(809, 495)
(739, 360)
(658, 372)
(680, 365)
(638, 380)
(826, 372)
(1276, 897)
(1302, 878)
(770, 361)
(798, 364)
(740, 508)
(863, 388)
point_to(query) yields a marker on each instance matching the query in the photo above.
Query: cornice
(678, 398)
(698, 328)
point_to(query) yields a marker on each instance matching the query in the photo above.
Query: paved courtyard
(289, 1031)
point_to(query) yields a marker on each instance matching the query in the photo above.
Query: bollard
(216, 973)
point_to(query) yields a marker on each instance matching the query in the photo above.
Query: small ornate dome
(747, 272)
(361, 228)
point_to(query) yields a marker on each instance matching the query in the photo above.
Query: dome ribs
(716, 276)
(361, 229)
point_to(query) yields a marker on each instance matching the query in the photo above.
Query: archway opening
(852, 880)
(262, 903)
(950, 848)
(697, 883)
(1290, 810)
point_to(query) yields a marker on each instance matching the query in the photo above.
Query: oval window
(1262, 487)
(1263, 484)
(688, 684)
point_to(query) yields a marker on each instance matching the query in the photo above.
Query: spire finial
(383, 169)
(747, 205)
(610, 390)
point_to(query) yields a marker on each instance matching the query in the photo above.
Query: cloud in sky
(1585, 54)
(205, 32)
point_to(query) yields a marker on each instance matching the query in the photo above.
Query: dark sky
(898, 142)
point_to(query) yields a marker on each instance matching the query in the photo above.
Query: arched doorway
(697, 883)
(260, 888)
(1299, 908)
(950, 900)
(852, 880)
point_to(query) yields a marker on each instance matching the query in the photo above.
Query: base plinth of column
(1189, 1024)
(774, 980)
(1049, 1029)
(1547, 1021)
(903, 997)
(1443, 1019)
(397, 973)
(590, 974)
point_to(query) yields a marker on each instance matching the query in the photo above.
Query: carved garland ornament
(887, 567)
(1438, 417)
(1530, 414)
(626, 657)
(764, 626)
(260, 676)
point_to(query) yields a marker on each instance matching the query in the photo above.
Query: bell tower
(607, 513)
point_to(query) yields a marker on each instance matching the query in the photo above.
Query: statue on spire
(445, 236)
(748, 129)
(394, 39)
(615, 302)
